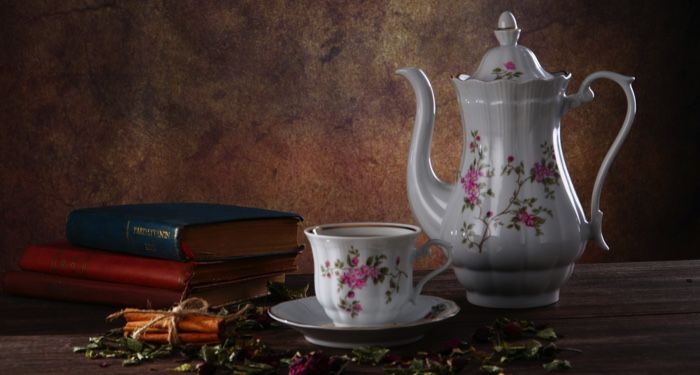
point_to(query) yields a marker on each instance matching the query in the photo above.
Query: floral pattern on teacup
(353, 276)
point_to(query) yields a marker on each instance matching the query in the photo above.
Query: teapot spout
(427, 194)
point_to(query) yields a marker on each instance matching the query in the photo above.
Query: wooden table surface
(625, 317)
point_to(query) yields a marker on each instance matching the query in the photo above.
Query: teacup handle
(423, 250)
(584, 95)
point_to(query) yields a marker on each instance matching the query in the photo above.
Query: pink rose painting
(526, 218)
(508, 71)
(353, 279)
(541, 171)
(470, 183)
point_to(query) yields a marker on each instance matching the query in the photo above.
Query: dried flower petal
(513, 330)
(482, 334)
(316, 363)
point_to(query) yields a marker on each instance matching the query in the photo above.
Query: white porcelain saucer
(307, 316)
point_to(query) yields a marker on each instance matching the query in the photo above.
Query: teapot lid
(509, 61)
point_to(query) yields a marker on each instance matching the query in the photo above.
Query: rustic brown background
(295, 106)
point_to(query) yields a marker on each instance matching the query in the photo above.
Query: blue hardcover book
(185, 231)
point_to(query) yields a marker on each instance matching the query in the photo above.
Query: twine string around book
(193, 305)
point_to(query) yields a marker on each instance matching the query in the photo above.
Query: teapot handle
(585, 95)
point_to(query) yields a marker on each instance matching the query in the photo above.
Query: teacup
(363, 272)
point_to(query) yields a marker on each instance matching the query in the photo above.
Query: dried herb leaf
(133, 345)
(533, 350)
(421, 366)
(185, 367)
(369, 354)
(557, 365)
(131, 362)
(490, 369)
(547, 334)
(254, 368)
(279, 292)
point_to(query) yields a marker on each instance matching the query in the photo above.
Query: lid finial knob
(508, 31)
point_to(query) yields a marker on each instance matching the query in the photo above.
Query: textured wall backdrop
(294, 105)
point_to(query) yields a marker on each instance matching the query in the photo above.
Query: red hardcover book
(34, 284)
(76, 262)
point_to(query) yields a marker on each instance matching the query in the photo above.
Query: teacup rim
(415, 229)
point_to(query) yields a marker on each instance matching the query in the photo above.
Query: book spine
(33, 284)
(116, 233)
(66, 260)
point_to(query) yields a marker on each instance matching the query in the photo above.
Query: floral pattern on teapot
(519, 211)
(509, 72)
(353, 276)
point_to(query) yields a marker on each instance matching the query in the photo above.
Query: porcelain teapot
(512, 217)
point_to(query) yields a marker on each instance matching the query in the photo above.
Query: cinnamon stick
(189, 323)
(128, 331)
(131, 315)
(184, 337)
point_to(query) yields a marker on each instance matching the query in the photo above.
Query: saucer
(307, 316)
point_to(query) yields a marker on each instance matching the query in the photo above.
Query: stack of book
(155, 255)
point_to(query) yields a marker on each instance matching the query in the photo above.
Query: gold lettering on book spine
(62, 262)
(151, 232)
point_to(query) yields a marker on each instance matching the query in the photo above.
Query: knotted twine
(192, 305)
